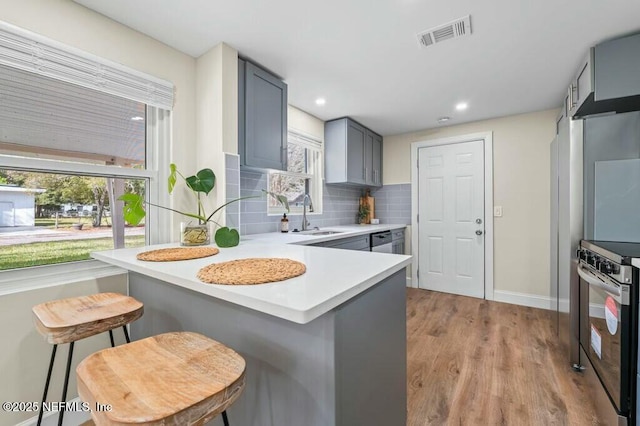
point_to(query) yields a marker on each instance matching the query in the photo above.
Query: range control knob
(581, 254)
(605, 267)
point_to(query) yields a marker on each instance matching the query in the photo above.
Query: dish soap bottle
(284, 223)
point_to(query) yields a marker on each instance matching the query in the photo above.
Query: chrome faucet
(305, 223)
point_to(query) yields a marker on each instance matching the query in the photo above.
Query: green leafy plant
(363, 212)
(201, 183)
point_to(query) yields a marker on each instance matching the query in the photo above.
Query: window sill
(27, 279)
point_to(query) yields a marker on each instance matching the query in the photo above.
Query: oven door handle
(592, 280)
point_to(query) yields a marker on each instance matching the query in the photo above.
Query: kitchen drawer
(397, 234)
(361, 242)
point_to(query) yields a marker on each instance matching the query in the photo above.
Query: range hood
(608, 80)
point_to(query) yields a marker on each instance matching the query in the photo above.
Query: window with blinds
(303, 176)
(76, 132)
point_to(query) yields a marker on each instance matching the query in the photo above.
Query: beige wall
(23, 363)
(24, 358)
(520, 186)
(305, 123)
(217, 117)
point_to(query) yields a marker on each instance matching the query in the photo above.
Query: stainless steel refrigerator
(566, 230)
(595, 159)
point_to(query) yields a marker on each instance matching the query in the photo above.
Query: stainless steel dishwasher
(381, 242)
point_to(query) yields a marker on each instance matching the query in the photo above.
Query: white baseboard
(409, 282)
(563, 305)
(596, 311)
(522, 299)
(71, 418)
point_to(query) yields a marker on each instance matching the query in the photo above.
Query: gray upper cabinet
(376, 160)
(581, 87)
(607, 79)
(353, 153)
(355, 146)
(262, 118)
(617, 68)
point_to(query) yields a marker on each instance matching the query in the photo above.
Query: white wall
(24, 358)
(521, 186)
(23, 361)
(305, 123)
(217, 117)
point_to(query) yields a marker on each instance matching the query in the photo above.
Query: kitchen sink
(321, 232)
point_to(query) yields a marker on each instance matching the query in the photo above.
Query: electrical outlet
(497, 211)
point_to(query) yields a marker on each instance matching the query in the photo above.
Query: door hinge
(418, 273)
(418, 218)
(418, 163)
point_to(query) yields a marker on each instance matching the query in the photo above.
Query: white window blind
(52, 117)
(37, 54)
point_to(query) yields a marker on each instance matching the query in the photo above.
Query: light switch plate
(497, 211)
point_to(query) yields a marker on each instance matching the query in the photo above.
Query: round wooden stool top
(180, 378)
(68, 320)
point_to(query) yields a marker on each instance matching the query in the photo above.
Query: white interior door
(451, 218)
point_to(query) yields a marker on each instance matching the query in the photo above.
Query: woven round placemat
(177, 253)
(251, 271)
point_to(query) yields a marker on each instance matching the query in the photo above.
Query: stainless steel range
(609, 324)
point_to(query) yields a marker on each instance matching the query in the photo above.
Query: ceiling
(363, 57)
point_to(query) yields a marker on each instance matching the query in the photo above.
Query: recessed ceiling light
(320, 101)
(137, 118)
(443, 119)
(462, 106)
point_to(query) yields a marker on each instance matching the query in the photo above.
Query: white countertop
(302, 239)
(635, 262)
(333, 276)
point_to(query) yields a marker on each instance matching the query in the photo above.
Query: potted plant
(363, 213)
(192, 233)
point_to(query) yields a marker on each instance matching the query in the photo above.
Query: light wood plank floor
(476, 362)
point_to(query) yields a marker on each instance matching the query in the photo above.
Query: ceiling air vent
(458, 28)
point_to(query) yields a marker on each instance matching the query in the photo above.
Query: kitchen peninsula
(325, 348)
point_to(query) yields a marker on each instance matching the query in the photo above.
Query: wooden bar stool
(68, 320)
(179, 378)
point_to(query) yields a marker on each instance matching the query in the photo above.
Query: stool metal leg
(224, 418)
(126, 334)
(113, 345)
(66, 383)
(46, 383)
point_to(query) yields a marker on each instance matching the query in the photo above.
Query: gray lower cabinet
(360, 242)
(262, 118)
(397, 241)
(353, 153)
(347, 367)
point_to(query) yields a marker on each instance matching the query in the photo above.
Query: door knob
(478, 232)
(478, 221)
